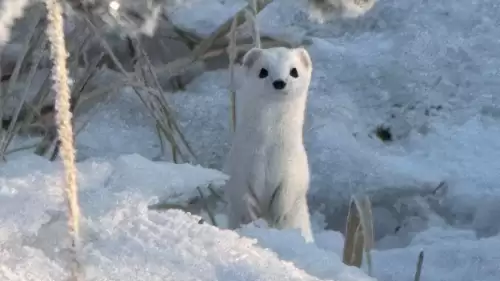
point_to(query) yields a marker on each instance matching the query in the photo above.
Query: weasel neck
(273, 121)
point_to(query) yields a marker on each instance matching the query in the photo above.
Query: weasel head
(277, 73)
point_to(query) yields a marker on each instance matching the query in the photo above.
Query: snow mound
(123, 239)
(448, 255)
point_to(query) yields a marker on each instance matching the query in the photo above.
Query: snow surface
(200, 17)
(429, 71)
(123, 240)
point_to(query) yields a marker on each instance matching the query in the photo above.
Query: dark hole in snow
(384, 133)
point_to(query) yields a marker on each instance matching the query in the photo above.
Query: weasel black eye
(294, 73)
(263, 73)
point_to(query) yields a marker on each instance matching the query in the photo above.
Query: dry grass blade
(207, 209)
(359, 241)
(364, 209)
(14, 127)
(161, 101)
(78, 88)
(107, 48)
(77, 93)
(35, 105)
(28, 47)
(176, 128)
(36, 32)
(78, 46)
(154, 97)
(149, 103)
(243, 47)
(203, 47)
(188, 38)
(26, 147)
(359, 232)
(216, 194)
(251, 17)
(261, 4)
(194, 205)
(164, 125)
(165, 107)
(168, 206)
(179, 66)
(204, 50)
(420, 262)
(222, 41)
(100, 91)
(232, 51)
(159, 105)
(185, 64)
(89, 95)
(162, 143)
(353, 250)
(30, 110)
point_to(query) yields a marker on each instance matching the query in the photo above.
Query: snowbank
(123, 239)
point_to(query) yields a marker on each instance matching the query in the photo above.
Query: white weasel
(267, 163)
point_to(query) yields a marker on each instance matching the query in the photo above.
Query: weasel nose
(279, 84)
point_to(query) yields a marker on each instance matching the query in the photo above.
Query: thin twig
(205, 204)
(419, 266)
(252, 18)
(232, 51)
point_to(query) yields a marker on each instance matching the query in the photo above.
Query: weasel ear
(251, 57)
(304, 57)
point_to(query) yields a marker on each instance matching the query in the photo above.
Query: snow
(453, 256)
(130, 130)
(426, 70)
(123, 239)
(200, 17)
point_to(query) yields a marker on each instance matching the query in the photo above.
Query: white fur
(267, 149)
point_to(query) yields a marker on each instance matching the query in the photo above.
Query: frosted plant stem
(64, 127)
(255, 25)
